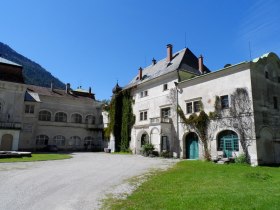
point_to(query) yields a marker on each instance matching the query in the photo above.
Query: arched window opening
(61, 117)
(76, 118)
(42, 140)
(59, 140)
(44, 116)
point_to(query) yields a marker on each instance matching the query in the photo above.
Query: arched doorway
(192, 146)
(227, 142)
(144, 139)
(7, 142)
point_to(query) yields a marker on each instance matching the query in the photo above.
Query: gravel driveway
(76, 183)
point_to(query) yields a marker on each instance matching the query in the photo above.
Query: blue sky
(95, 43)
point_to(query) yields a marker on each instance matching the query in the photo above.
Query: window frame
(196, 106)
(60, 118)
(92, 121)
(165, 112)
(76, 118)
(189, 105)
(42, 140)
(29, 109)
(44, 115)
(143, 115)
(224, 105)
(59, 140)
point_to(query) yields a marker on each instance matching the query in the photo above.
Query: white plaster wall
(156, 99)
(206, 88)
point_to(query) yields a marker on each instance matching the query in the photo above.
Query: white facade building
(247, 120)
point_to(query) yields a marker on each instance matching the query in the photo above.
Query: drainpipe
(177, 120)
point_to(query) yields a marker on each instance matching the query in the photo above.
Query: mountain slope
(33, 73)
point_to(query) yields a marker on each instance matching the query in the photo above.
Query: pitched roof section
(43, 91)
(5, 61)
(183, 60)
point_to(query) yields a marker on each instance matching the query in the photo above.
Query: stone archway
(144, 138)
(6, 142)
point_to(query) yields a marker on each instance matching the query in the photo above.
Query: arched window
(75, 140)
(59, 140)
(44, 116)
(76, 118)
(61, 117)
(42, 140)
(89, 140)
(90, 119)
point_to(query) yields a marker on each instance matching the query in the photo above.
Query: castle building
(241, 102)
(32, 117)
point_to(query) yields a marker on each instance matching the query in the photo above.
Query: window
(165, 113)
(144, 94)
(29, 109)
(101, 119)
(143, 115)
(90, 119)
(164, 143)
(59, 140)
(266, 74)
(75, 140)
(275, 102)
(88, 140)
(1, 106)
(165, 87)
(189, 107)
(60, 117)
(42, 140)
(44, 116)
(224, 102)
(227, 140)
(278, 79)
(76, 118)
(196, 106)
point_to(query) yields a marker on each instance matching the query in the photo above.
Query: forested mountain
(33, 73)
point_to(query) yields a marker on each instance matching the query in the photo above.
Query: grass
(37, 157)
(203, 185)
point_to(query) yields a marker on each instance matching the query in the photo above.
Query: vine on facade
(121, 120)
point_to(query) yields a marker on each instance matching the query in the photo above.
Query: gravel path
(76, 183)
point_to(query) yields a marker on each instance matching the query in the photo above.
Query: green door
(192, 146)
(229, 144)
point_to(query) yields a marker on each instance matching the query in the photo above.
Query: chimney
(154, 61)
(89, 90)
(67, 87)
(200, 64)
(169, 52)
(140, 73)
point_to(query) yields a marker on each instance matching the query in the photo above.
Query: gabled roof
(5, 61)
(183, 60)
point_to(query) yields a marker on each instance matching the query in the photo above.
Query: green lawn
(36, 157)
(203, 185)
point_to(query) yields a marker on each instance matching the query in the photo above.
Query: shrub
(241, 159)
(147, 149)
(165, 154)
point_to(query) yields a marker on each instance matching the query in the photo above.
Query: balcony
(10, 125)
(157, 120)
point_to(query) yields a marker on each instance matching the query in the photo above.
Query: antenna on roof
(250, 51)
(185, 40)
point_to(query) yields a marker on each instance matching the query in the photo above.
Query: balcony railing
(10, 125)
(160, 120)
